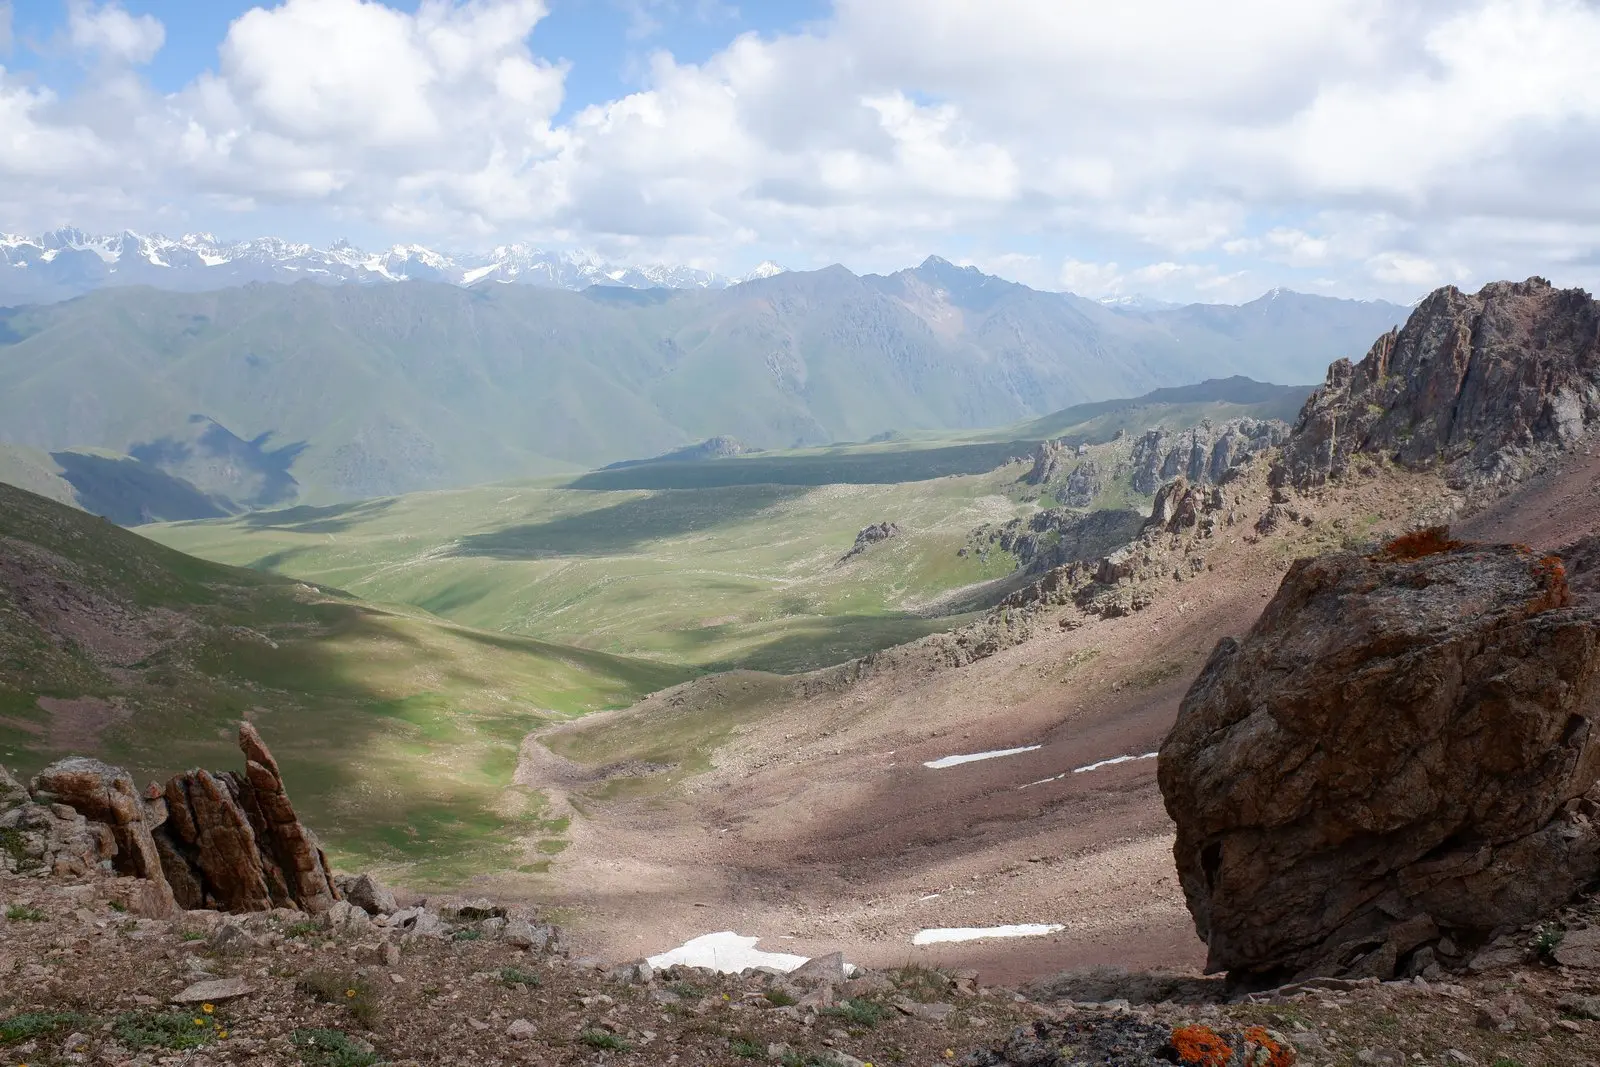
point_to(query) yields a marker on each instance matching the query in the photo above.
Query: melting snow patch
(1090, 767)
(727, 952)
(954, 761)
(1109, 762)
(978, 933)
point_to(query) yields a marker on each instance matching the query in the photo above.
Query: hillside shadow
(626, 525)
(207, 453)
(328, 518)
(131, 493)
(827, 468)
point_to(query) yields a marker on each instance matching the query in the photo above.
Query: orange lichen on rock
(1419, 543)
(1551, 574)
(1200, 1046)
(1263, 1048)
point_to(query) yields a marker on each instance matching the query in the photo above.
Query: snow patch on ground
(979, 933)
(1090, 767)
(1114, 760)
(955, 761)
(727, 952)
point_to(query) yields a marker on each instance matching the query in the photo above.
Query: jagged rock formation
(233, 841)
(1203, 454)
(1480, 384)
(1397, 764)
(869, 536)
(226, 841)
(1086, 482)
(1055, 537)
(1049, 459)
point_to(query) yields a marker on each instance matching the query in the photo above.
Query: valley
(901, 699)
(804, 787)
(833, 533)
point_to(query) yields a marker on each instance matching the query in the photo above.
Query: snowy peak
(69, 261)
(766, 269)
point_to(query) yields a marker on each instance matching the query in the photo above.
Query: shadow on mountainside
(395, 732)
(130, 492)
(888, 467)
(628, 524)
(328, 518)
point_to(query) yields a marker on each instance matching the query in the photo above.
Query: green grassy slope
(1216, 399)
(718, 576)
(398, 732)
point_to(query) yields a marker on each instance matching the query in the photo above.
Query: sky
(1358, 148)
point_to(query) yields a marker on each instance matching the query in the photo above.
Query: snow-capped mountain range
(67, 262)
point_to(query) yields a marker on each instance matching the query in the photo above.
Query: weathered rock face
(1471, 382)
(1085, 483)
(225, 841)
(1055, 537)
(1202, 455)
(1401, 755)
(106, 795)
(1049, 460)
(233, 841)
(48, 839)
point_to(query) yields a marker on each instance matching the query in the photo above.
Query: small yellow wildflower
(208, 1008)
(724, 996)
(350, 992)
(199, 1022)
(222, 1033)
(949, 1053)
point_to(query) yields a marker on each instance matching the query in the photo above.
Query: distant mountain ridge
(69, 262)
(267, 393)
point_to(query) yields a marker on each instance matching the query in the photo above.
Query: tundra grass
(713, 578)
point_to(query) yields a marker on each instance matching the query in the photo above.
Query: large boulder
(1400, 755)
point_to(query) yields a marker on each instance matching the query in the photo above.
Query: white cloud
(108, 31)
(1356, 145)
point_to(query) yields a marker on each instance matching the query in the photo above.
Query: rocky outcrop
(1055, 537)
(869, 536)
(1086, 482)
(226, 841)
(233, 841)
(1049, 460)
(105, 795)
(48, 839)
(1202, 455)
(1396, 765)
(1481, 384)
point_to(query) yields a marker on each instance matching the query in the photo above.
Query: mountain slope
(351, 391)
(112, 645)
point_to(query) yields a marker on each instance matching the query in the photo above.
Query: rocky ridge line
(1484, 385)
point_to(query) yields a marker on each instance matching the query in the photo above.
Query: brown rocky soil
(85, 983)
(818, 828)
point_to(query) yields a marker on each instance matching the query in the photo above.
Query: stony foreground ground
(84, 983)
